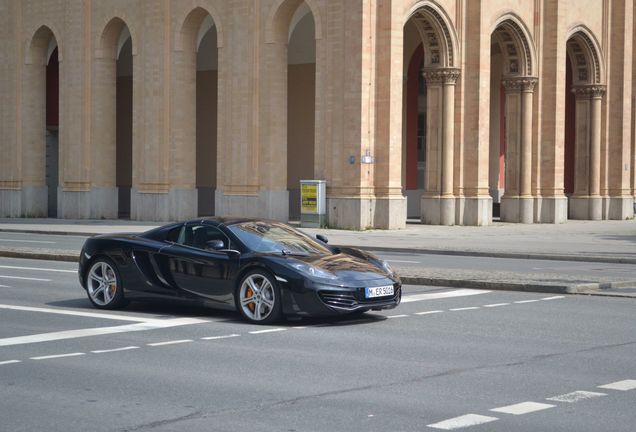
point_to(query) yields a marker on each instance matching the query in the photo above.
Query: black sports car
(263, 269)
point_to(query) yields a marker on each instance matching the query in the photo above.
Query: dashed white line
(553, 298)
(624, 385)
(299, 327)
(526, 301)
(522, 408)
(48, 357)
(220, 337)
(463, 421)
(267, 331)
(397, 316)
(37, 269)
(496, 305)
(441, 295)
(575, 396)
(172, 342)
(429, 312)
(25, 278)
(6, 362)
(127, 348)
(464, 308)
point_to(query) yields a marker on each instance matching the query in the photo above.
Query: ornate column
(517, 204)
(586, 202)
(438, 202)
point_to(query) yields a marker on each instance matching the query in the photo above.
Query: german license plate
(381, 291)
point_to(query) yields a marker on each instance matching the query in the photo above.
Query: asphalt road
(445, 359)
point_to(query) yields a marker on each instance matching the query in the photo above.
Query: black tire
(261, 288)
(104, 284)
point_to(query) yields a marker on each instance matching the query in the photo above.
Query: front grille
(338, 299)
(354, 299)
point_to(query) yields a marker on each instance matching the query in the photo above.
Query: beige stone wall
(361, 49)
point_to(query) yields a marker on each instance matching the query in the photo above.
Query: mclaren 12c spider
(263, 269)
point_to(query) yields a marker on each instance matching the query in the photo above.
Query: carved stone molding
(524, 84)
(441, 75)
(589, 91)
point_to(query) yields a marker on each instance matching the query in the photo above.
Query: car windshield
(274, 237)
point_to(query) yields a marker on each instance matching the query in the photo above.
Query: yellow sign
(309, 198)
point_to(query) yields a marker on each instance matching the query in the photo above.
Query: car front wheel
(259, 298)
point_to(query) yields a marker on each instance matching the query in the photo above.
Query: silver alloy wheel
(257, 297)
(102, 283)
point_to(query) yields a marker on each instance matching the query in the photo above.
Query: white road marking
(403, 261)
(172, 342)
(428, 312)
(267, 331)
(299, 327)
(496, 305)
(78, 313)
(5, 286)
(27, 241)
(37, 269)
(440, 295)
(25, 278)
(462, 422)
(526, 301)
(115, 350)
(398, 316)
(6, 362)
(72, 334)
(57, 356)
(553, 298)
(624, 385)
(523, 408)
(221, 337)
(575, 396)
(463, 309)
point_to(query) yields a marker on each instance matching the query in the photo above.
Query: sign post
(313, 207)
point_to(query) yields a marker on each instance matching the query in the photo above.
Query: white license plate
(380, 291)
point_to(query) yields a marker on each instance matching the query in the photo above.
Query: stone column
(517, 205)
(586, 202)
(438, 202)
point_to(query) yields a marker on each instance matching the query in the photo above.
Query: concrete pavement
(608, 242)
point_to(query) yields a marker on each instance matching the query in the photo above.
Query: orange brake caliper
(249, 294)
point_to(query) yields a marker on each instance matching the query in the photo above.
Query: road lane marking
(576, 396)
(172, 342)
(27, 241)
(267, 331)
(48, 357)
(624, 385)
(553, 298)
(397, 316)
(78, 313)
(526, 301)
(404, 261)
(6, 362)
(463, 421)
(441, 295)
(463, 309)
(37, 269)
(115, 350)
(522, 408)
(5, 286)
(429, 312)
(25, 278)
(72, 334)
(221, 337)
(496, 305)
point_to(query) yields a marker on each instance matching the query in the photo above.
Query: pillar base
(98, 203)
(517, 209)
(585, 208)
(177, 204)
(552, 210)
(28, 202)
(267, 204)
(438, 210)
(474, 211)
(354, 213)
(390, 213)
(620, 208)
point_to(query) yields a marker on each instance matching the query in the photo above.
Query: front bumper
(353, 299)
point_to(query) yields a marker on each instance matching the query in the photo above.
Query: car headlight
(312, 271)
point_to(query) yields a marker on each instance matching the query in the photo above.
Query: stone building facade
(450, 111)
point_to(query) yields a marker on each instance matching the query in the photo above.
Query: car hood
(346, 267)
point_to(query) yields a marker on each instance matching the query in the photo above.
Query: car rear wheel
(259, 298)
(103, 285)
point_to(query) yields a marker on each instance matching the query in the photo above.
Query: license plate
(380, 291)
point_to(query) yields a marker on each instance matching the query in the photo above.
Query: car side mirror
(322, 238)
(214, 244)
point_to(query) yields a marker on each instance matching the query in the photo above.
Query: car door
(199, 271)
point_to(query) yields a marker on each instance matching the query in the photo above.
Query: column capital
(523, 84)
(441, 75)
(589, 91)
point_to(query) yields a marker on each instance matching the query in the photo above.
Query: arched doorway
(511, 110)
(582, 161)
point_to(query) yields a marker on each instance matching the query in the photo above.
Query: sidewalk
(609, 242)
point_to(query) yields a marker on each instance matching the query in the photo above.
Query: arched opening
(124, 126)
(52, 128)
(301, 103)
(570, 132)
(207, 67)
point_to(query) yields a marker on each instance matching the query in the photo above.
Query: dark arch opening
(52, 131)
